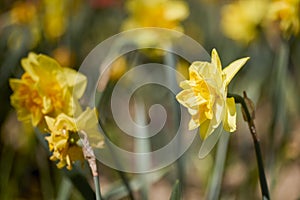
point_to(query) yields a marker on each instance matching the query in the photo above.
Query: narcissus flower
(45, 89)
(55, 18)
(241, 19)
(23, 12)
(155, 13)
(286, 13)
(64, 140)
(205, 95)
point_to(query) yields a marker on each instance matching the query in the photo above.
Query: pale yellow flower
(155, 13)
(45, 89)
(64, 141)
(240, 20)
(205, 95)
(286, 13)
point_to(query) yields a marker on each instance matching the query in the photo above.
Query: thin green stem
(252, 128)
(117, 162)
(97, 188)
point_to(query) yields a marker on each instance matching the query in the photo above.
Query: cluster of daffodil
(47, 96)
(242, 19)
(205, 95)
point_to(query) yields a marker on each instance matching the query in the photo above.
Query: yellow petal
(36, 117)
(27, 64)
(186, 97)
(15, 83)
(185, 84)
(76, 80)
(193, 124)
(231, 70)
(215, 60)
(229, 121)
(176, 10)
(204, 129)
(50, 122)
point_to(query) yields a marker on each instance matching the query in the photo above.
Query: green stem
(252, 128)
(97, 188)
(117, 162)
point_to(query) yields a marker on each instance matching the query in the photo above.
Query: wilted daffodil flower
(64, 140)
(205, 95)
(45, 89)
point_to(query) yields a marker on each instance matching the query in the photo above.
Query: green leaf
(176, 191)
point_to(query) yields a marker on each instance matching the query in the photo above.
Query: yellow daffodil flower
(23, 12)
(240, 20)
(55, 18)
(64, 141)
(155, 13)
(45, 89)
(25, 16)
(205, 95)
(286, 13)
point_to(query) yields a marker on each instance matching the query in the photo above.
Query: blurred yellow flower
(25, 16)
(45, 89)
(240, 20)
(23, 12)
(205, 95)
(55, 18)
(64, 140)
(155, 13)
(286, 13)
(64, 56)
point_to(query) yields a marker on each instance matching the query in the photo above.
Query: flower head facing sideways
(64, 140)
(205, 95)
(45, 88)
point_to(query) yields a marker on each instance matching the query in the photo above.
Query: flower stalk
(90, 157)
(249, 118)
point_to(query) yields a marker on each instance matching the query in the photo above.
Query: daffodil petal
(76, 80)
(215, 60)
(231, 70)
(185, 84)
(50, 122)
(184, 96)
(193, 124)
(229, 121)
(177, 10)
(204, 129)
(209, 143)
